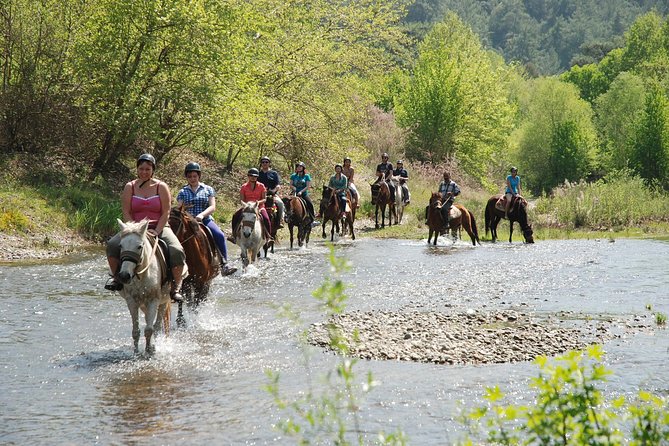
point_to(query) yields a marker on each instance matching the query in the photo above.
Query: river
(69, 376)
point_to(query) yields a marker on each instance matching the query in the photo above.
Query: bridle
(136, 257)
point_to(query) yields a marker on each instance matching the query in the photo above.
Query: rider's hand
(153, 232)
(199, 218)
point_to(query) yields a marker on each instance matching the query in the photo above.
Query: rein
(137, 258)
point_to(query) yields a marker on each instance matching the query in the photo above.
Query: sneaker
(227, 270)
(113, 285)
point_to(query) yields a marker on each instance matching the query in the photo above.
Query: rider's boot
(227, 270)
(113, 284)
(175, 291)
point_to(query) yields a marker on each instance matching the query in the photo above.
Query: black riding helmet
(253, 172)
(400, 162)
(514, 168)
(146, 157)
(192, 167)
(301, 164)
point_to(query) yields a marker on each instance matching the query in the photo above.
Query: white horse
(250, 236)
(143, 281)
(398, 207)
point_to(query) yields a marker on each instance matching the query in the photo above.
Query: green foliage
(589, 79)
(660, 318)
(557, 128)
(329, 416)
(570, 409)
(456, 102)
(650, 150)
(616, 114)
(621, 199)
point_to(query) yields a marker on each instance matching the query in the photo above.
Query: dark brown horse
(298, 216)
(273, 213)
(517, 212)
(332, 212)
(202, 257)
(460, 218)
(381, 199)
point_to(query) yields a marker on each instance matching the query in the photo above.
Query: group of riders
(149, 198)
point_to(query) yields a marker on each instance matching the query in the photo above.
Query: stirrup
(176, 296)
(113, 285)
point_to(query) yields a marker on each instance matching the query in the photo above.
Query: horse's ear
(120, 224)
(244, 204)
(144, 225)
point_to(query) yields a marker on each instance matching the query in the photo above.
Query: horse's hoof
(181, 322)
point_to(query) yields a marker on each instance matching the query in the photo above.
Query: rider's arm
(508, 185)
(126, 202)
(165, 203)
(210, 209)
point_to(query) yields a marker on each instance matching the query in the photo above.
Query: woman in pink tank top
(147, 197)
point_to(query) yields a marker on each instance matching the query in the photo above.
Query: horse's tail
(474, 228)
(488, 218)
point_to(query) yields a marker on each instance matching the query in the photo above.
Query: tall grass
(619, 200)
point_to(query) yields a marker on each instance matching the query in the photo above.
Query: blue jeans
(219, 238)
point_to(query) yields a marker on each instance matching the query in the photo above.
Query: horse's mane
(133, 227)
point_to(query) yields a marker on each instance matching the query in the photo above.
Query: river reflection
(69, 375)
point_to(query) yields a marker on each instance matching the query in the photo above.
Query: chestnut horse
(202, 257)
(460, 217)
(298, 215)
(273, 213)
(332, 212)
(381, 199)
(517, 212)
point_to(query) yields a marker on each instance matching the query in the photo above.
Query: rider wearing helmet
(401, 172)
(338, 183)
(512, 189)
(148, 198)
(201, 203)
(350, 172)
(250, 191)
(300, 183)
(384, 171)
(272, 181)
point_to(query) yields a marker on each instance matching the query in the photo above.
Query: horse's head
(519, 209)
(269, 201)
(182, 222)
(250, 215)
(134, 248)
(435, 200)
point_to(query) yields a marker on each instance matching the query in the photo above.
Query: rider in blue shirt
(201, 200)
(512, 189)
(272, 181)
(300, 182)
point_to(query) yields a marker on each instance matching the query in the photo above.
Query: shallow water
(69, 375)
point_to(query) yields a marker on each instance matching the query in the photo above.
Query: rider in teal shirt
(512, 189)
(338, 183)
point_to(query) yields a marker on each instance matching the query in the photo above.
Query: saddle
(163, 258)
(500, 204)
(213, 249)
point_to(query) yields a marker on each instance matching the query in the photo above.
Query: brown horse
(381, 199)
(273, 213)
(202, 257)
(332, 212)
(459, 218)
(298, 215)
(517, 212)
(465, 220)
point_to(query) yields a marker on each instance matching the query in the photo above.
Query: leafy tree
(589, 79)
(650, 150)
(456, 102)
(616, 114)
(557, 128)
(148, 70)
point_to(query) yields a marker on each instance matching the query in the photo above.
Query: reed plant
(618, 201)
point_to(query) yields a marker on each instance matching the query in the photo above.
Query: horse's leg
(376, 216)
(332, 230)
(350, 227)
(150, 318)
(325, 220)
(290, 229)
(134, 315)
(181, 320)
(493, 228)
(510, 230)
